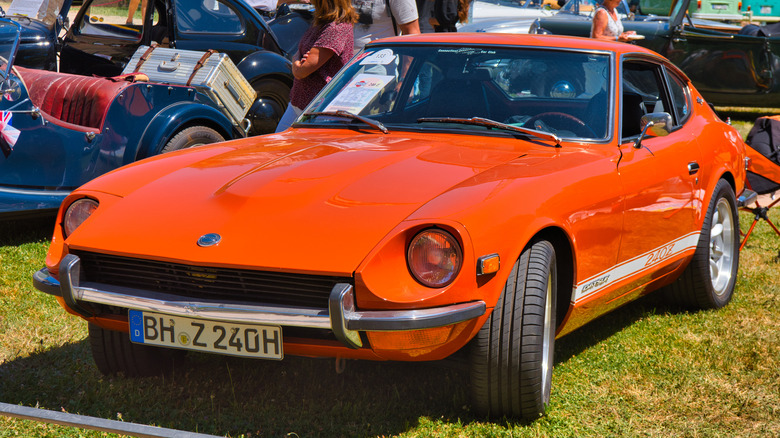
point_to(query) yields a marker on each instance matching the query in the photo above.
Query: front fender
(176, 117)
(263, 63)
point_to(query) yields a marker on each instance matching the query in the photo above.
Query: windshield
(43, 10)
(416, 87)
(10, 32)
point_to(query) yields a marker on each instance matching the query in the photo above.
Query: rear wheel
(192, 136)
(708, 282)
(114, 353)
(512, 355)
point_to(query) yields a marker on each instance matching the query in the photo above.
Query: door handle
(693, 167)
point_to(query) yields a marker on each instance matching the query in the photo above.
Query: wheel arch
(172, 120)
(564, 256)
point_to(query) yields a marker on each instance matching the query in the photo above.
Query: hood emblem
(209, 239)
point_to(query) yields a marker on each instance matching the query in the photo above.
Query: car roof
(528, 40)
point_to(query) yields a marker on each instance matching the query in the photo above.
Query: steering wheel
(561, 120)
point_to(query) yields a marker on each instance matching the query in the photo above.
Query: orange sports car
(445, 192)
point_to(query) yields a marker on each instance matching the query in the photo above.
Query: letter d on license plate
(259, 341)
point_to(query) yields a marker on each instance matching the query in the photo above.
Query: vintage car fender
(176, 117)
(262, 64)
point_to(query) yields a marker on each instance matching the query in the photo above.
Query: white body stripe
(635, 266)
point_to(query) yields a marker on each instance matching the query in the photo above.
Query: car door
(659, 178)
(103, 38)
(719, 62)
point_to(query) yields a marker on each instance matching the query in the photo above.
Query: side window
(642, 89)
(681, 99)
(207, 16)
(117, 20)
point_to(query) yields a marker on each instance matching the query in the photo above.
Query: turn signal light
(488, 264)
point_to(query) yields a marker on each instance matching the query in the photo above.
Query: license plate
(720, 7)
(249, 340)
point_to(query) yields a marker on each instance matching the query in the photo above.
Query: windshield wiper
(479, 121)
(348, 115)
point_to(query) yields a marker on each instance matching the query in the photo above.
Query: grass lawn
(644, 370)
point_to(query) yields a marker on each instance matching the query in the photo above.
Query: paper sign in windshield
(382, 57)
(359, 93)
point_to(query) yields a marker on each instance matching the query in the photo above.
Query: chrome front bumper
(341, 316)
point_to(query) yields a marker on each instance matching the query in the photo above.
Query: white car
(516, 16)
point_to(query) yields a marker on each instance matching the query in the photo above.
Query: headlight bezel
(77, 213)
(422, 247)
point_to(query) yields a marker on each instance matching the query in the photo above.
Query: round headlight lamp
(76, 214)
(434, 257)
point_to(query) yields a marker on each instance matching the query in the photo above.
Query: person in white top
(607, 25)
(377, 21)
(266, 8)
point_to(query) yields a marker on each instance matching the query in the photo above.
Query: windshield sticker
(468, 51)
(359, 93)
(382, 57)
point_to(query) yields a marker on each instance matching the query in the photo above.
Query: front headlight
(76, 214)
(434, 257)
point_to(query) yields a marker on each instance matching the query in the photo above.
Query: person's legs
(131, 11)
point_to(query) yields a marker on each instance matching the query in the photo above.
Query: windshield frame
(10, 55)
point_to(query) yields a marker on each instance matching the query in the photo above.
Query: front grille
(219, 284)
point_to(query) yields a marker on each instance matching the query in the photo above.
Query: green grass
(646, 369)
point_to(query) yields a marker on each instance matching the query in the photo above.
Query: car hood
(314, 201)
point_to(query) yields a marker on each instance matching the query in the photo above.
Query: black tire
(708, 281)
(114, 353)
(273, 96)
(511, 356)
(192, 136)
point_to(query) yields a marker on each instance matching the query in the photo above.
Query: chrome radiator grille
(221, 284)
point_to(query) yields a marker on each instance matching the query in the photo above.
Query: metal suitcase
(210, 72)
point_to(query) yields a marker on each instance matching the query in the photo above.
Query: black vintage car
(105, 34)
(40, 22)
(727, 64)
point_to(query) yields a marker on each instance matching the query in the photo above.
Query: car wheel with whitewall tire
(192, 136)
(708, 281)
(511, 357)
(113, 353)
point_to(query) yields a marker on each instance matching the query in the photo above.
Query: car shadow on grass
(296, 396)
(33, 229)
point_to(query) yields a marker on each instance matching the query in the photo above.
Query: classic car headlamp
(434, 257)
(76, 214)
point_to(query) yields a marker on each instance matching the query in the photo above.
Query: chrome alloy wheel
(548, 337)
(722, 247)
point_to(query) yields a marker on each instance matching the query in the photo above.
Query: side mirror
(654, 125)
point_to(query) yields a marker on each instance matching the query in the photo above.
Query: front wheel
(708, 281)
(192, 136)
(511, 357)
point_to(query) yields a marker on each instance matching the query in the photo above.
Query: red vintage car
(445, 192)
